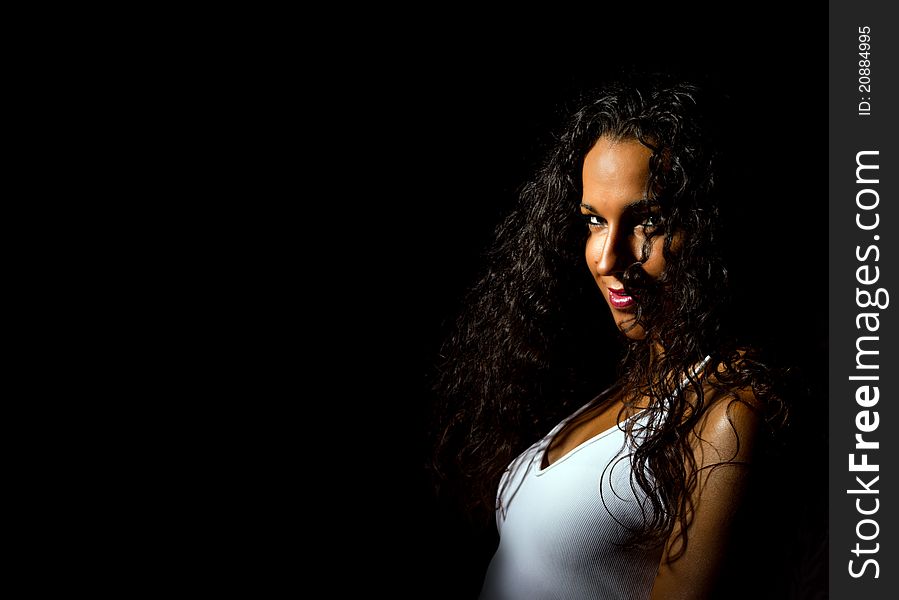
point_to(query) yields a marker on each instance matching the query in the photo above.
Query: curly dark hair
(524, 351)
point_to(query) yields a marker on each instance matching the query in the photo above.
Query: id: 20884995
(864, 71)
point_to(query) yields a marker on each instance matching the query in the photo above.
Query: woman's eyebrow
(640, 202)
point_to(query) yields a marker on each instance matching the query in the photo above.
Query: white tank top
(560, 527)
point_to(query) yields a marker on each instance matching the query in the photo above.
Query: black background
(453, 117)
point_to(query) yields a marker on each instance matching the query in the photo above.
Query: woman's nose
(613, 253)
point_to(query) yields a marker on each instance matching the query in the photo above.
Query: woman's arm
(723, 445)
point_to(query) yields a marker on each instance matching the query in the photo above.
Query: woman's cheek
(592, 250)
(656, 263)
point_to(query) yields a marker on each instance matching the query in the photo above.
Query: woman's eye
(594, 221)
(650, 222)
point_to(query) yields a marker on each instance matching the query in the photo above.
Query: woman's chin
(631, 330)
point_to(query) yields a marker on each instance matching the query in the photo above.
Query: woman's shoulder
(733, 411)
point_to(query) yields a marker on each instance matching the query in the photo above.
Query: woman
(632, 495)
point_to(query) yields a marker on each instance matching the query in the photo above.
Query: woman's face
(616, 174)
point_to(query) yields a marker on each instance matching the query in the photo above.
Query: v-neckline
(543, 453)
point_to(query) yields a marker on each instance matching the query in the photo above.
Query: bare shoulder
(730, 424)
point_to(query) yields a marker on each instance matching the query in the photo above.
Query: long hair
(527, 345)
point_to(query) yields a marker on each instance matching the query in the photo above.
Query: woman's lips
(618, 299)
